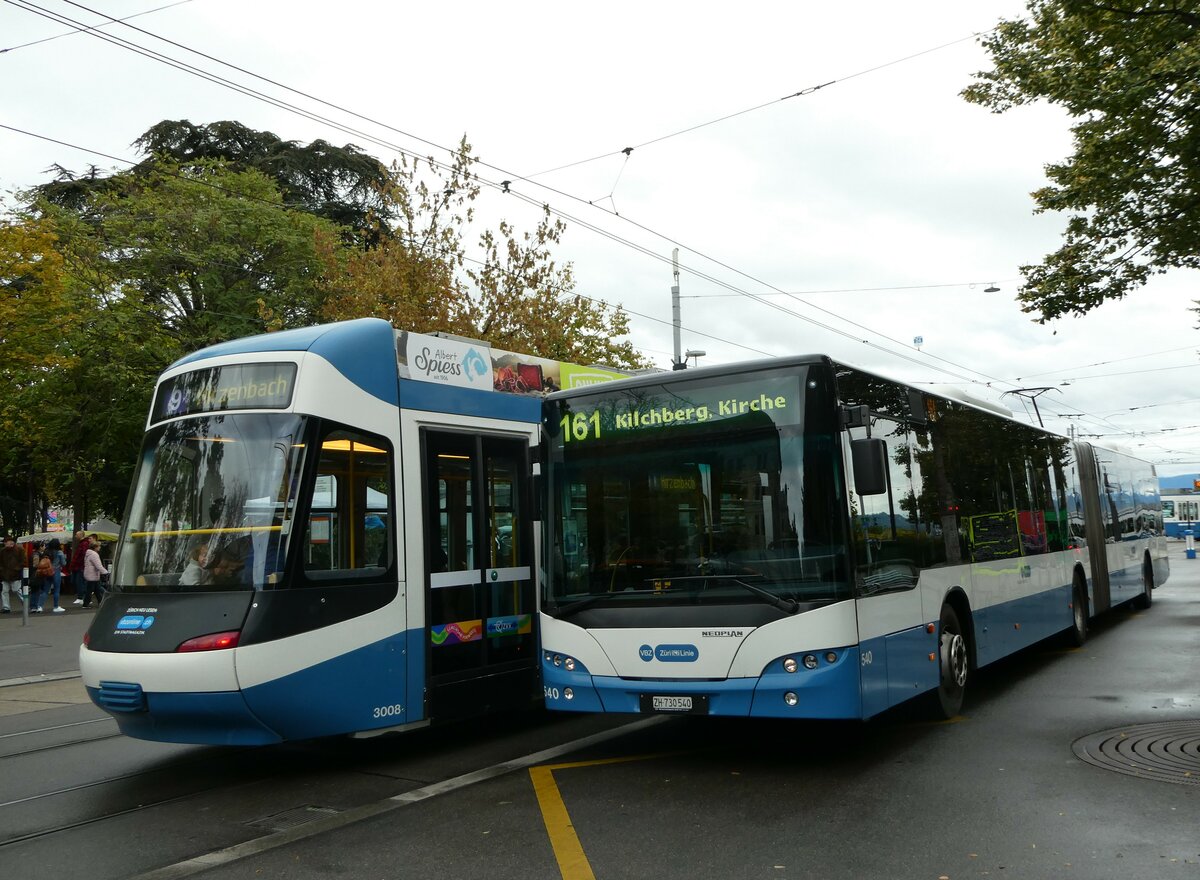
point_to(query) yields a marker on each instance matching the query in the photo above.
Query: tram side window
(350, 519)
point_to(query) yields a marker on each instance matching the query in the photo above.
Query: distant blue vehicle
(1180, 513)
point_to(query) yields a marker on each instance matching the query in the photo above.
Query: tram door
(480, 598)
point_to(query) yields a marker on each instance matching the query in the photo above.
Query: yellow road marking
(568, 851)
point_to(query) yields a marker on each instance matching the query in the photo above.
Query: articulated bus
(330, 531)
(798, 538)
(1181, 513)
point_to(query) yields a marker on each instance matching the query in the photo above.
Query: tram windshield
(212, 505)
(711, 491)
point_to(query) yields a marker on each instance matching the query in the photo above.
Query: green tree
(343, 184)
(33, 310)
(512, 294)
(1128, 73)
(160, 263)
(203, 254)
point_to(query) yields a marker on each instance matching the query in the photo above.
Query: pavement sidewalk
(47, 649)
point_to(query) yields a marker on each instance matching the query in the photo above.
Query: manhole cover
(293, 817)
(1167, 752)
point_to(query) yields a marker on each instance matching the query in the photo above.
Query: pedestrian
(93, 570)
(12, 564)
(76, 566)
(41, 579)
(58, 560)
(226, 568)
(194, 573)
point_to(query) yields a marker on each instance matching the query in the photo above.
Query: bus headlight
(558, 660)
(569, 665)
(831, 657)
(569, 693)
(790, 665)
(790, 698)
(810, 661)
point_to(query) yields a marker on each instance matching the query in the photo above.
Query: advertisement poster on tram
(470, 364)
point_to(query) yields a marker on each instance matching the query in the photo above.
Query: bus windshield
(709, 491)
(212, 504)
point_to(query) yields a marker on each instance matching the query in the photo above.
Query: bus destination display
(636, 411)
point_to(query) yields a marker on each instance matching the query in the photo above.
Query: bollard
(1190, 544)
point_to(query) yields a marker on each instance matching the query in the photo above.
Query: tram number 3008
(387, 711)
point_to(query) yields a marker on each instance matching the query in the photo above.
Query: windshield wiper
(784, 604)
(562, 612)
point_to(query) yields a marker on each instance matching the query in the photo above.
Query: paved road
(999, 792)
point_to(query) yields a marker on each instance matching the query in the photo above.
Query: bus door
(887, 538)
(480, 599)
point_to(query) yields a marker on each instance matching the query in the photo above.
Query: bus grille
(121, 696)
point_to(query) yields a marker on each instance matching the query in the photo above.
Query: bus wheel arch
(956, 654)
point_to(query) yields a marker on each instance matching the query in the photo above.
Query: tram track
(46, 797)
(42, 731)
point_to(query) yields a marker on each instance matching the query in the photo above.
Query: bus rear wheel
(1078, 632)
(954, 665)
(1146, 597)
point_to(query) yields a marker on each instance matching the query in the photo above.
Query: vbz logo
(646, 653)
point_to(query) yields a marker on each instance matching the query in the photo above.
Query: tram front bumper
(217, 719)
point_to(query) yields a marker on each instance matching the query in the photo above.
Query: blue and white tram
(1180, 513)
(329, 532)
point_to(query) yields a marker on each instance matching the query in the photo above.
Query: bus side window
(887, 526)
(350, 519)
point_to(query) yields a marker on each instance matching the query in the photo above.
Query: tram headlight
(790, 665)
(558, 659)
(790, 698)
(810, 661)
(569, 664)
(569, 693)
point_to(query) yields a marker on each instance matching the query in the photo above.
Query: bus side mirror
(868, 457)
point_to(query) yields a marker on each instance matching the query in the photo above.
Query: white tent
(104, 529)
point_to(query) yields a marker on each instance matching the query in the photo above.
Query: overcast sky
(881, 201)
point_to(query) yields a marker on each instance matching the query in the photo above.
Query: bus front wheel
(954, 666)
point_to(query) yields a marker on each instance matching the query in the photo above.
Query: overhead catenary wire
(78, 30)
(1114, 429)
(808, 90)
(435, 251)
(505, 186)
